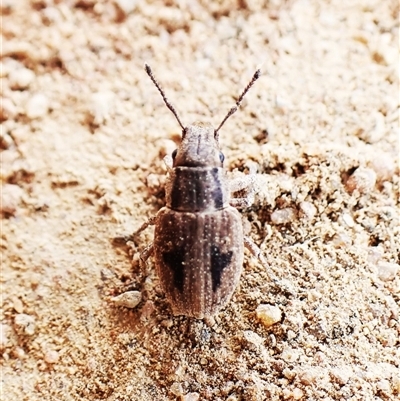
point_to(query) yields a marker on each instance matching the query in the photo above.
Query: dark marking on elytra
(219, 261)
(174, 260)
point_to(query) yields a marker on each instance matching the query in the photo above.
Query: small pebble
(7, 109)
(176, 389)
(341, 374)
(308, 377)
(51, 356)
(387, 271)
(283, 216)
(377, 132)
(21, 78)
(7, 6)
(384, 386)
(289, 373)
(396, 384)
(341, 240)
(102, 104)
(297, 393)
(290, 354)
(19, 353)
(253, 338)
(10, 199)
(5, 329)
(384, 167)
(147, 309)
(37, 106)
(374, 254)
(129, 299)
(6, 140)
(126, 6)
(26, 322)
(153, 183)
(308, 210)
(363, 180)
(268, 315)
(191, 397)
(17, 305)
(313, 295)
(348, 220)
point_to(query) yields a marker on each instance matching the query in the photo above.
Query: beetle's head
(199, 147)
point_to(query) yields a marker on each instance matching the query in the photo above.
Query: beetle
(198, 242)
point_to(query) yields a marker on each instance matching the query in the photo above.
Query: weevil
(198, 242)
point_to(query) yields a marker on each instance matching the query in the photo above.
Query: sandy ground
(84, 132)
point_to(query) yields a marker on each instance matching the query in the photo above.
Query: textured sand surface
(84, 132)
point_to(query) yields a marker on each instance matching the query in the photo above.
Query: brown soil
(83, 136)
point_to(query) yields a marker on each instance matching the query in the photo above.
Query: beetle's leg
(256, 252)
(144, 255)
(123, 239)
(150, 222)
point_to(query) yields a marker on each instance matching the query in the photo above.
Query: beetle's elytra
(198, 241)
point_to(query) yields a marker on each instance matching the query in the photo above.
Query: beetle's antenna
(234, 108)
(167, 103)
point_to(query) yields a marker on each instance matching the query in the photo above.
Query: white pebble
(51, 356)
(396, 384)
(10, 198)
(102, 104)
(153, 182)
(283, 216)
(363, 180)
(308, 210)
(26, 322)
(341, 240)
(384, 386)
(19, 353)
(4, 333)
(21, 78)
(129, 299)
(191, 397)
(387, 271)
(17, 304)
(7, 109)
(289, 373)
(308, 377)
(37, 106)
(176, 389)
(341, 374)
(297, 393)
(384, 166)
(377, 132)
(290, 355)
(253, 338)
(126, 6)
(348, 220)
(268, 315)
